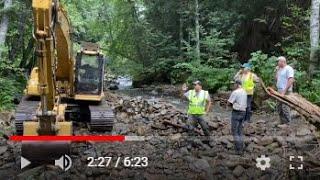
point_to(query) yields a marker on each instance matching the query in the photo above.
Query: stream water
(124, 82)
(125, 87)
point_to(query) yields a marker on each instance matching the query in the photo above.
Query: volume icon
(64, 162)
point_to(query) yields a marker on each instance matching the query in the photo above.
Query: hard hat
(197, 82)
(247, 66)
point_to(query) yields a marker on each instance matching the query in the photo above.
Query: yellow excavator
(62, 88)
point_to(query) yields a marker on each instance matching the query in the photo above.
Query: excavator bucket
(45, 152)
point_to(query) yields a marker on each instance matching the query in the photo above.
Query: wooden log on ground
(181, 126)
(295, 101)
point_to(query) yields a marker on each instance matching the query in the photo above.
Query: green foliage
(7, 92)
(181, 72)
(213, 79)
(154, 41)
(308, 89)
(217, 49)
(189, 51)
(313, 91)
(296, 40)
(162, 72)
(264, 66)
(11, 84)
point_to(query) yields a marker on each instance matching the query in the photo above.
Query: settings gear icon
(263, 162)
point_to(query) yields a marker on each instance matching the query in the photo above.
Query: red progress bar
(68, 138)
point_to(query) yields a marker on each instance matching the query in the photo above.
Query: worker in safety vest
(199, 105)
(249, 80)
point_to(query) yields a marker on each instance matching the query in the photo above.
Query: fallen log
(295, 101)
(312, 160)
(181, 126)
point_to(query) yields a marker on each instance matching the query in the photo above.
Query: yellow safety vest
(248, 84)
(197, 105)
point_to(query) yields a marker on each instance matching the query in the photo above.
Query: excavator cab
(89, 73)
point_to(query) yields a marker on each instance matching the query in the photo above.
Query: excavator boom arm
(54, 51)
(42, 13)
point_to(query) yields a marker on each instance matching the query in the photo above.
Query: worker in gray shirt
(238, 99)
(285, 79)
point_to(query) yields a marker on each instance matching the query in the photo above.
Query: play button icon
(24, 162)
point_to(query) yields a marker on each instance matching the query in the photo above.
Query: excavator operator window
(88, 74)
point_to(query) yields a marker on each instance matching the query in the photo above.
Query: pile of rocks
(144, 116)
(151, 110)
(264, 136)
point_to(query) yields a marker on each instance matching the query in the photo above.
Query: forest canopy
(160, 41)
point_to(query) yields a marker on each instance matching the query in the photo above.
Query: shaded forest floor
(176, 154)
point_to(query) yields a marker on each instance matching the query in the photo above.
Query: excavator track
(102, 118)
(26, 111)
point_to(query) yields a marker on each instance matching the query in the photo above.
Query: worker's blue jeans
(236, 128)
(249, 108)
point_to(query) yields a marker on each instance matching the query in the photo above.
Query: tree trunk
(181, 25)
(197, 32)
(4, 24)
(18, 45)
(314, 37)
(180, 33)
(27, 61)
(138, 40)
